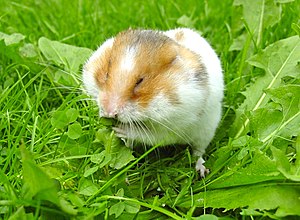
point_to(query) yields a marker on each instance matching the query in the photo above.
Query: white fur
(98, 53)
(88, 74)
(127, 63)
(208, 122)
(194, 42)
(161, 129)
(90, 84)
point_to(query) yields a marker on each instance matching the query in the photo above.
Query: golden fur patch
(156, 62)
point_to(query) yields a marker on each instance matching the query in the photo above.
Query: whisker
(132, 129)
(184, 136)
(139, 130)
(142, 127)
(181, 135)
(150, 131)
(87, 99)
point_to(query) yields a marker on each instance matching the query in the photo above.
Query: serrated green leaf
(101, 207)
(97, 158)
(75, 199)
(291, 172)
(264, 121)
(248, 142)
(87, 187)
(67, 207)
(258, 15)
(90, 171)
(117, 209)
(102, 135)
(39, 184)
(69, 59)
(239, 42)
(289, 98)
(260, 169)
(278, 60)
(131, 207)
(121, 157)
(283, 198)
(74, 130)
(224, 156)
(115, 151)
(102, 158)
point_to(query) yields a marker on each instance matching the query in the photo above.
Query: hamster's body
(163, 87)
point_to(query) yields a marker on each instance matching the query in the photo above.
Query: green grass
(58, 160)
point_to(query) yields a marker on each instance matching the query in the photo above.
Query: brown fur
(100, 67)
(156, 62)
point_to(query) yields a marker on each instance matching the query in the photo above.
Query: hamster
(163, 87)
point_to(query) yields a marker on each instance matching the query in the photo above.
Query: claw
(201, 168)
(121, 133)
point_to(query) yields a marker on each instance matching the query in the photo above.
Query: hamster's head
(136, 75)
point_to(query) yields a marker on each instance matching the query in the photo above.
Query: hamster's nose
(109, 114)
(112, 115)
(110, 106)
(110, 111)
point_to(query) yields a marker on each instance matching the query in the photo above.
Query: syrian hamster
(163, 87)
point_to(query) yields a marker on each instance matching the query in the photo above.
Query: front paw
(120, 132)
(201, 168)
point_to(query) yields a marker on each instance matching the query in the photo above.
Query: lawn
(59, 160)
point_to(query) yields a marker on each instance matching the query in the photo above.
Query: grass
(58, 160)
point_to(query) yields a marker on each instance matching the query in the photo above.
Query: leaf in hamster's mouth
(108, 121)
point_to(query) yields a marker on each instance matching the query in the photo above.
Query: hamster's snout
(109, 114)
(110, 105)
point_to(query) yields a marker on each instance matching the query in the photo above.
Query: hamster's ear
(99, 63)
(166, 56)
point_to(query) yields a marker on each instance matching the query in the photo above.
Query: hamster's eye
(137, 85)
(105, 77)
(139, 81)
